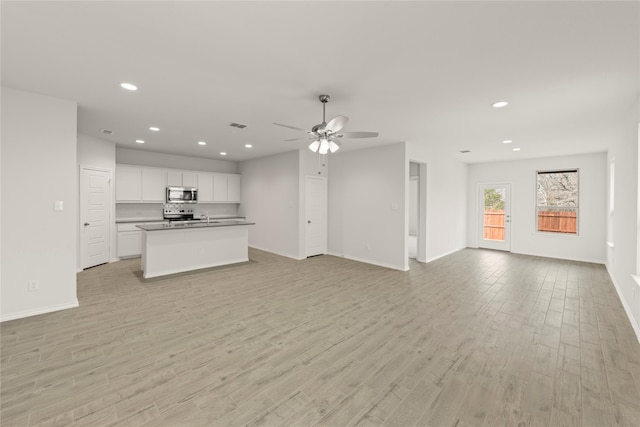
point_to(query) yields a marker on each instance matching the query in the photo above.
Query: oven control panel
(177, 208)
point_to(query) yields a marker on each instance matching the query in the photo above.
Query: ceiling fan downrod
(324, 99)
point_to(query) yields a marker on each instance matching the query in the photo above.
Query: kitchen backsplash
(154, 210)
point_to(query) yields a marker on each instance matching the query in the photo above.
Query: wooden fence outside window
(557, 221)
(548, 221)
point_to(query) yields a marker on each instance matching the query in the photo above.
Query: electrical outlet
(34, 285)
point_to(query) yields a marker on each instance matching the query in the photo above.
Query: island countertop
(187, 225)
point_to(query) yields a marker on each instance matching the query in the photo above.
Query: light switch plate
(58, 205)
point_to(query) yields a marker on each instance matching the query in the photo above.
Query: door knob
(308, 222)
(86, 223)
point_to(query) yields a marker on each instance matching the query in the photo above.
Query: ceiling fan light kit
(325, 134)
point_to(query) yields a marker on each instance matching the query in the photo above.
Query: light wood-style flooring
(477, 338)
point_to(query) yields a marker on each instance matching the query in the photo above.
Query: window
(557, 201)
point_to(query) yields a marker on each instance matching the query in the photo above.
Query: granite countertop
(184, 225)
(139, 219)
(160, 219)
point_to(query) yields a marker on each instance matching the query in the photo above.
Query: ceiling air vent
(238, 125)
(106, 131)
(465, 151)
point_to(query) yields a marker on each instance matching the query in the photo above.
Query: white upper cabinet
(176, 178)
(128, 184)
(233, 188)
(136, 184)
(153, 185)
(189, 179)
(205, 187)
(220, 187)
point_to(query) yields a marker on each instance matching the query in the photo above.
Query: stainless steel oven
(177, 212)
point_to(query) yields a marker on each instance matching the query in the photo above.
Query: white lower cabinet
(129, 243)
(130, 239)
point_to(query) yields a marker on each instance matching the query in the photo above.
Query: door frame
(421, 255)
(81, 255)
(480, 212)
(326, 213)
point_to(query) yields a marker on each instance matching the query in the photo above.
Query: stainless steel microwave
(182, 195)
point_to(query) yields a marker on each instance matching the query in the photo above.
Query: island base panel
(177, 251)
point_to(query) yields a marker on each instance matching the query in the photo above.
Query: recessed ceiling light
(222, 153)
(155, 129)
(202, 143)
(507, 141)
(248, 145)
(516, 149)
(500, 104)
(128, 86)
(139, 141)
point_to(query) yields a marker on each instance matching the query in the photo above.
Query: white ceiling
(426, 72)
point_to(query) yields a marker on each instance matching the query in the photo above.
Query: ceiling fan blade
(294, 139)
(336, 123)
(291, 127)
(356, 135)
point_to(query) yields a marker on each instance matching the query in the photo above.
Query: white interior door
(95, 202)
(316, 216)
(494, 216)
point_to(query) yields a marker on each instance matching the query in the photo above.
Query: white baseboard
(194, 268)
(627, 309)
(43, 310)
(276, 252)
(589, 260)
(368, 261)
(444, 254)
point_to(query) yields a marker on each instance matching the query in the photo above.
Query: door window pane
(494, 213)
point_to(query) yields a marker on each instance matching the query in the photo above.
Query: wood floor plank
(476, 338)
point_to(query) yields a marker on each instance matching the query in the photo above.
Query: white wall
(95, 152)
(621, 259)
(38, 168)
(129, 156)
(588, 246)
(446, 200)
(271, 198)
(367, 205)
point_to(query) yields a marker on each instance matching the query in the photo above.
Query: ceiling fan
(325, 135)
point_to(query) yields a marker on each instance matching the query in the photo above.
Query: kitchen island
(178, 247)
